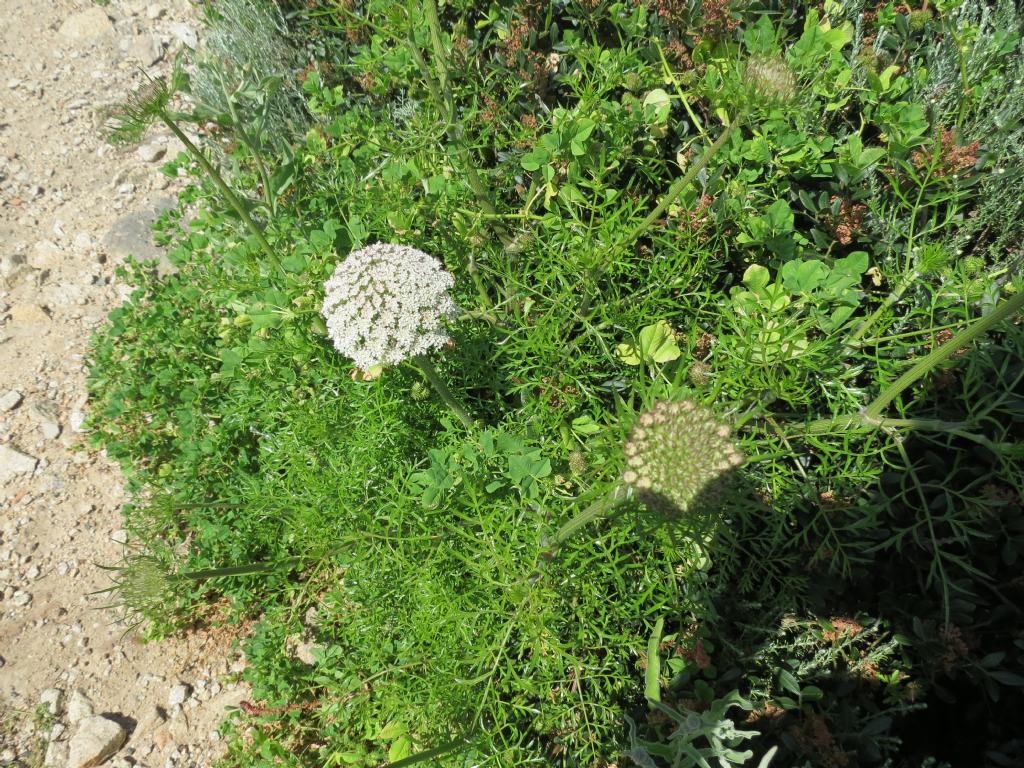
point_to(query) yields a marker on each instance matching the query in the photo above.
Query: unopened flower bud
(770, 79)
(681, 455)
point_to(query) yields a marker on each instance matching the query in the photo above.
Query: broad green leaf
(585, 425)
(652, 676)
(584, 128)
(658, 343)
(803, 276)
(780, 217)
(855, 265)
(657, 105)
(1008, 678)
(628, 354)
(400, 749)
(392, 730)
(756, 277)
(788, 682)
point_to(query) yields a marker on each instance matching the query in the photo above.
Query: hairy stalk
(441, 91)
(871, 417)
(428, 369)
(1006, 308)
(595, 511)
(257, 156)
(443, 98)
(912, 274)
(892, 298)
(673, 193)
(225, 190)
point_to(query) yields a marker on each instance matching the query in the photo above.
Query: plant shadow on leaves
(917, 648)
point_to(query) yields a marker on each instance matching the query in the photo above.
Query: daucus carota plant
(676, 453)
(678, 456)
(387, 303)
(151, 103)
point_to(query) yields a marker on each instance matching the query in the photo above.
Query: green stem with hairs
(891, 299)
(441, 91)
(673, 193)
(680, 185)
(600, 508)
(423, 363)
(1006, 308)
(225, 190)
(871, 417)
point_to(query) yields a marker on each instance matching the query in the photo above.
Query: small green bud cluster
(918, 20)
(770, 79)
(676, 453)
(578, 462)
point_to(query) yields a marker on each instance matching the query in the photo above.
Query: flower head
(386, 303)
(676, 453)
(770, 79)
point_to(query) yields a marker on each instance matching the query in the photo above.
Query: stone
(304, 651)
(79, 707)
(132, 234)
(10, 401)
(56, 754)
(163, 739)
(145, 49)
(120, 536)
(96, 740)
(29, 316)
(21, 598)
(184, 34)
(44, 255)
(13, 463)
(77, 421)
(150, 153)
(89, 25)
(178, 695)
(12, 267)
(53, 698)
(47, 416)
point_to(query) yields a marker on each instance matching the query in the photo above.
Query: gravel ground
(71, 209)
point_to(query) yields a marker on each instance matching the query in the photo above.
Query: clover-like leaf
(756, 277)
(656, 344)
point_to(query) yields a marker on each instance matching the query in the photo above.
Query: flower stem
(428, 369)
(222, 185)
(674, 191)
(598, 509)
(1006, 308)
(871, 417)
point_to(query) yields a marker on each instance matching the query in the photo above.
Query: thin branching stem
(225, 190)
(674, 191)
(871, 417)
(423, 363)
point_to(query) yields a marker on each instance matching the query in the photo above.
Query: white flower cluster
(386, 303)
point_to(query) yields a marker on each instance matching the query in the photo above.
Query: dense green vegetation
(800, 223)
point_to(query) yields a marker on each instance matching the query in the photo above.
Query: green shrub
(779, 216)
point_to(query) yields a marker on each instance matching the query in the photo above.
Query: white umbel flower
(387, 303)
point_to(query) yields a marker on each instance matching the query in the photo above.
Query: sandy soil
(71, 208)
